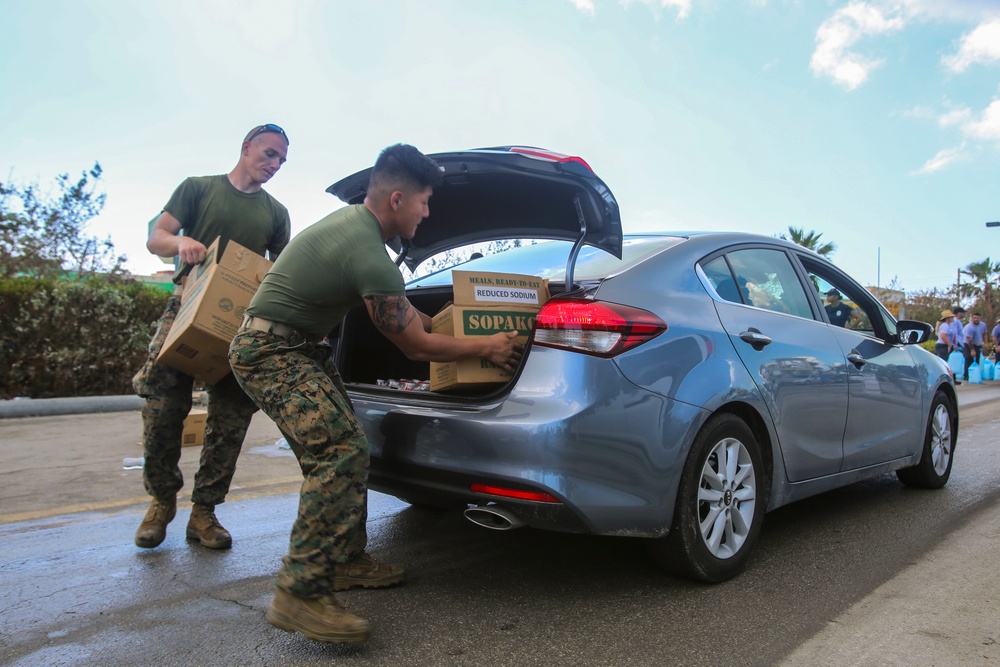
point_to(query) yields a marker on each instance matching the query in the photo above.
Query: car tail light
(516, 494)
(552, 156)
(594, 327)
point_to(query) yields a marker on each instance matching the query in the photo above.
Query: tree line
(64, 292)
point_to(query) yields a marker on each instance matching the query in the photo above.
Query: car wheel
(720, 504)
(934, 467)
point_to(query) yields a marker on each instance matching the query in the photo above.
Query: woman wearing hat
(943, 346)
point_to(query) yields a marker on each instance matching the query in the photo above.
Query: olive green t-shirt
(326, 270)
(210, 206)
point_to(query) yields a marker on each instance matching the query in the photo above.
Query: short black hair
(403, 167)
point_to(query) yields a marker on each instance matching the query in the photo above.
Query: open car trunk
(365, 356)
(507, 192)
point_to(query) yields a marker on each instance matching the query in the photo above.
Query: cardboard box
(194, 429)
(477, 288)
(485, 304)
(216, 293)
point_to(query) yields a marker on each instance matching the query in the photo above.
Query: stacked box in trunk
(485, 304)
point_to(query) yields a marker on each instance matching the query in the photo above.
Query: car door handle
(855, 358)
(756, 339)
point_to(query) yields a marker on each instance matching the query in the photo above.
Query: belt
(267, 326)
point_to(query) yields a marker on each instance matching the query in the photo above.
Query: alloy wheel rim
(727, 498)
(940, 439)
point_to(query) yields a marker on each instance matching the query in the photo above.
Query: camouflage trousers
(297, 385)
(168, 402)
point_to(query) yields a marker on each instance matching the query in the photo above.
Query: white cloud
(965, 11)
(835, 37)
(683, 7)
(585, 6)
(981, 46)
(982, 127)
(955, 117)
(941, 160)
(987, 126)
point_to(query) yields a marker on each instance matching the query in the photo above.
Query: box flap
(244, 261)
(236, 258)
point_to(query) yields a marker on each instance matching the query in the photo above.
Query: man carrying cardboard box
(233, 207)
(277, 356)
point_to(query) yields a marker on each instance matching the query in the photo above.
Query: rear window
(547, 259)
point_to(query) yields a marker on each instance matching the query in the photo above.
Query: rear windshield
(547, 259)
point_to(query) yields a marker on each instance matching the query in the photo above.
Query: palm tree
(799, 236)
(980, 291)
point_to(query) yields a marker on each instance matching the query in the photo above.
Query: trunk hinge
(577, 246)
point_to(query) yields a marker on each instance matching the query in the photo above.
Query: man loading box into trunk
(234, 207)
(336, 264)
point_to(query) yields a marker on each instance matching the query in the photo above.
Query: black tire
(934, 467)
(717, 518)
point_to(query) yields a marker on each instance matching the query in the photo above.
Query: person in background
(235, 207)
(957, 328)
(840, 314)
(943, 346)
(996, 341)
(974, 334)
(277, 356)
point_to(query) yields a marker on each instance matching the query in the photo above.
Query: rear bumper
(572, 427)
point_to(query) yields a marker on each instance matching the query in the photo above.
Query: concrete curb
(48, 407)
(78, 405)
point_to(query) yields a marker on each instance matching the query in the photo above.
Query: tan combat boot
(153, 528)
(321, 619)
(363, 571)
(204, 527)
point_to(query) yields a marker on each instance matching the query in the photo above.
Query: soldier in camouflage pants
(231, 207)
(296, 384)
(168, 395)
(335, 265)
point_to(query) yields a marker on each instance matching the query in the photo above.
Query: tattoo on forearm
(391, 314)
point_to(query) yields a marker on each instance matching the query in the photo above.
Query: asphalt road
(76, 591)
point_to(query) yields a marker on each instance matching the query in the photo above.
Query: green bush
(73, 337)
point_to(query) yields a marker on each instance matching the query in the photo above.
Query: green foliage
(980, 293)
(73, 338)
(926, 305)
(809, 240)
(45, 235)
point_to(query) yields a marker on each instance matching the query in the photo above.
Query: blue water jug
(957, 363)
(975, 374)
(989, 369)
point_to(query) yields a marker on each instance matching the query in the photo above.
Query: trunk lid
(508, 192)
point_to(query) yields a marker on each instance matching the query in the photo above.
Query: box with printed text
(485, 304)
(215, 295)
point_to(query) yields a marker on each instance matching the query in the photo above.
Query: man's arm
(407, 328)
(165, 241)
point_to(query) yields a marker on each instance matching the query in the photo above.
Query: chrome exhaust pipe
(493, 517)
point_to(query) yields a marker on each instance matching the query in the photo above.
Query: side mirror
(912, 332)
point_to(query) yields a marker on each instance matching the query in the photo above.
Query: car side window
(766, 279)
(843, 305)
(721, 278)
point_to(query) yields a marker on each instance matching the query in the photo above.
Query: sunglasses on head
(261, 129)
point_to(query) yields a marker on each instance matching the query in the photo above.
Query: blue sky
(876, 123)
